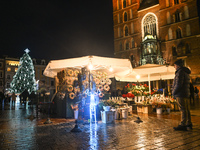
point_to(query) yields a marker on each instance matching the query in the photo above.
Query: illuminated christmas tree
(24, 79)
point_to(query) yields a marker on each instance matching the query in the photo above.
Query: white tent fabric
(148, 72)
(98, 63)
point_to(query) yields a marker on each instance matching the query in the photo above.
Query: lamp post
(138, 118)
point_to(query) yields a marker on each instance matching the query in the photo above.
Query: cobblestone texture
(155, 132)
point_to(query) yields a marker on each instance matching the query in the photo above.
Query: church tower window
(125, 17)
(124, 3)
(149, 25)
(126, 31)
(178, 33)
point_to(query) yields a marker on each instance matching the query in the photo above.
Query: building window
(126, 31)
(132, 43)
(131, 13)
(8, 76)
(8, 69)
(127, 45)
(16, 69)
(132, 27)
(1, 83)
(176, 2)
(178, 33)
(125, 17)
(168, 18)
(149, 25)
(119, 32)
(1, 74)
(52, 83)
(1, 64)
(177, 16)
(187, 49)
(124, 3)
(174, 52)
(8, 85)
(118, 18)
(117, 4)
(170, 35)
(186, 12)
(188, 32)
(120, 46)
(43, 62)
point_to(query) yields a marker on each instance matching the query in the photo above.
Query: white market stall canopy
(148, 72)
(99, 63)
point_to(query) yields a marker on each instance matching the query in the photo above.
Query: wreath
(100, 87)
(76, 72)
(70, 72)
(69, 81)
(101, 95)
(102, 81)
(106, 87)
(72, 95)
(97, 81)
(70, 88)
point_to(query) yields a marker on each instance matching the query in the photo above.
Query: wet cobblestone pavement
(155, 132)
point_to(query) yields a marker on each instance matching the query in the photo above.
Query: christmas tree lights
(25, 76)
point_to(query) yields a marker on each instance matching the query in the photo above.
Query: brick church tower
(158, 32)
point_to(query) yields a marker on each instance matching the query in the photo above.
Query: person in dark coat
(25, 95)
(181, 91)
(196, 91)
(191, 93)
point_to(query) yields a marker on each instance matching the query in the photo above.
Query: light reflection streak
(93, 136)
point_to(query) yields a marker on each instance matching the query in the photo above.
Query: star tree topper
(27, 50)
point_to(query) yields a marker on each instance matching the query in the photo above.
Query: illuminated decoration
(148, 37)
(12, 63)
(25, 76)
(8, 69)
(138, 77)
(111, 69)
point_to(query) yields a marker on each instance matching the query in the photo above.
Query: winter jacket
(181, 84)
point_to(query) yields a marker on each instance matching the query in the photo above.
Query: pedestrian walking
(191, 93)
(181, 91)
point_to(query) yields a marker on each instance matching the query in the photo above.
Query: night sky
(56, 29)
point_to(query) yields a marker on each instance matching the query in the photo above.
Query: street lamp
(138, 77)
(138, 118)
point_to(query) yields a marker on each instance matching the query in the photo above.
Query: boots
(180, 128)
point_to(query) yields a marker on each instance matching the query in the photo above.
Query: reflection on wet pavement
(155, 132)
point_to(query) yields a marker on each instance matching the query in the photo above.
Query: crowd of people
(24, 97)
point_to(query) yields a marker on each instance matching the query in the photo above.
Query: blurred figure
(25, 95)
(196, 91)
(13, 96)
(32, 98)
(191, 93)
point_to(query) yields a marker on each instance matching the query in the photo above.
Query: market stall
(85, 80)
(142, 95)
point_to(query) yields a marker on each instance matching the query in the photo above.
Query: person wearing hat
(181, 91)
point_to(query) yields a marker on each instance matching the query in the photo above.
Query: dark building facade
(158, 32)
